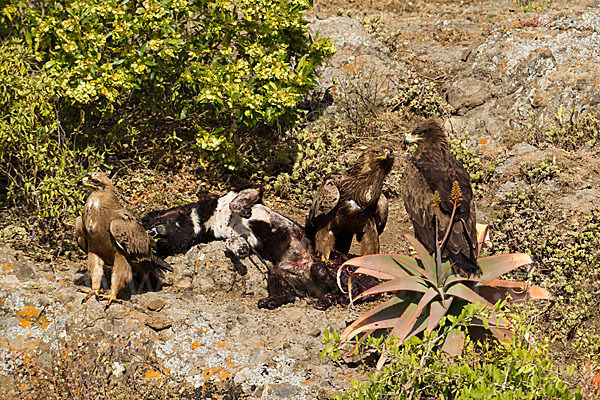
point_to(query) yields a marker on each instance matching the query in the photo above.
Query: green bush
(221, 66)
(419, 369)
(421, 98)
(573, 130)
(565, 253)
(136, 79)
(570, 131)
(38, 160)
(471, 159)
(316, 152)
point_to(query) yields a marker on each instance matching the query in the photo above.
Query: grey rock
(519, 154)
(583, 200)
(156, 305)
(510, 187)
(283, 391)
(532, 71)
(24, 272)
(200, 337)
(467, 93)
(158, 322)
(360, 60)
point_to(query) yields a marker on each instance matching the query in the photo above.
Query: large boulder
(526, 68)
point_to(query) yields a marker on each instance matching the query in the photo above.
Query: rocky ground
(202, 327)
(506, 74)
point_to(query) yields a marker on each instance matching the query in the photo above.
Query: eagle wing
(381, 215)
(440, 176)
(80, 235)
(130, 235)
(418, 198)
(421, 181)
(324, 203)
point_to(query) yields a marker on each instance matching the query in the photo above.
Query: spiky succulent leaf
(499, 289)
(384, 315)
(407, 320)
(495, 266)
(454, 342)
(426, 258)
(482, 236)
(380, 266)
(461, 291)
(437, 312)
(412, 266)
(408, 283)
(454, 278)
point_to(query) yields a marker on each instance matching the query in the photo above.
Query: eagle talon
(327, 260)
(111, 299)
(90, 293)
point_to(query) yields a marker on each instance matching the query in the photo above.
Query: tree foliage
(86, 79)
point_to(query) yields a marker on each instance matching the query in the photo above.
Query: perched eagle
(349, 203)
(432, 168)
(112, 235)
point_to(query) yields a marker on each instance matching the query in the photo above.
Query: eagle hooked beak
(387, 154)
(410, 139)
(84, 182)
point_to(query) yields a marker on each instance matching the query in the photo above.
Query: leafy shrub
(38, 160)
(134, 80)
(315, 152)
(85, 372)
(420, 98)
(471, 159)
(418, 369)
(531, 5)
(564, 250)
(573, 130)
(207, 68)
(545, 170)
(361, 96)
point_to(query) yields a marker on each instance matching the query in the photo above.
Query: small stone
(284, 391)
(315, 332)
(158, 322)
(25, 273)
(156, 305)
(183, 283)
(468, 93)
(242, 376)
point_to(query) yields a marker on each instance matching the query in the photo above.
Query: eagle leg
(324, 242)
(369, 240)
(95, 266)
(90, 293)
(121, 276)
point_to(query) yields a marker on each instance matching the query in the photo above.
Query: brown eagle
(432, 168)
(350, 202)
(112, 235)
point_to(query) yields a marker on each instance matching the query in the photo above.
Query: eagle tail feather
(160, 266)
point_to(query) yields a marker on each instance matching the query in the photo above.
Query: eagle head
(381, 156)
(96, 180)
(428, 131)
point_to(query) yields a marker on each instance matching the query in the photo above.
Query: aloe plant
(425, 289)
